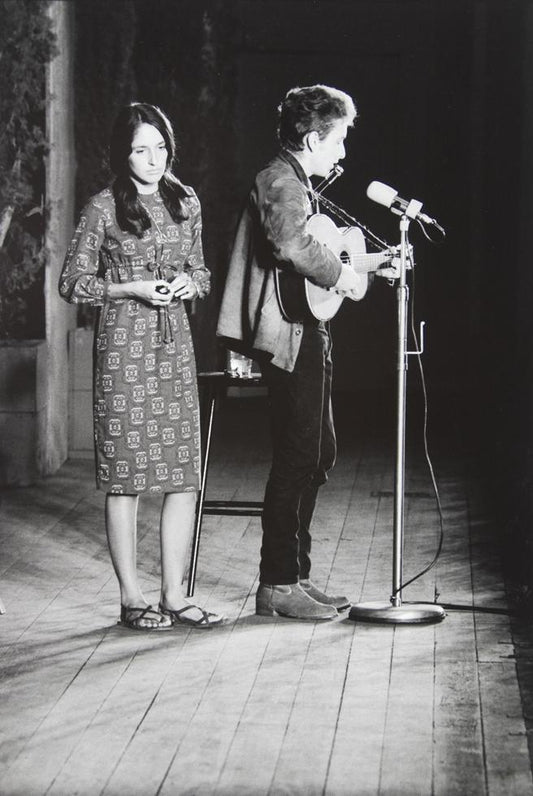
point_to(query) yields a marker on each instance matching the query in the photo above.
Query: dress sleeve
(80, 281)
(195, 265)
(283, 211)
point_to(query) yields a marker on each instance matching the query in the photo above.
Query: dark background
(443, 89)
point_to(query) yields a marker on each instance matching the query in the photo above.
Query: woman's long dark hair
(131, 215)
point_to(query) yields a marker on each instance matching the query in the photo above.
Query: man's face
(329, 150)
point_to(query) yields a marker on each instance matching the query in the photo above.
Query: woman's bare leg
(177, 522)
(121, 526)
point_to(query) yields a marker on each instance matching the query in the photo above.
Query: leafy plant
(27, 44)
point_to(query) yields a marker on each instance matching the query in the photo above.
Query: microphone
(387, 196)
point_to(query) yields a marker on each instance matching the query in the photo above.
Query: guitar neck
(366, 263)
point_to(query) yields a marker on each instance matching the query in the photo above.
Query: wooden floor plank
(408, 736)
(147, 682)
(507, 757)
(260, 706)
(358, 744)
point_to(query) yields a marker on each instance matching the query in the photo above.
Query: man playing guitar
(272, 238)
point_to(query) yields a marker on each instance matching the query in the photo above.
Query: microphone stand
(394, 612)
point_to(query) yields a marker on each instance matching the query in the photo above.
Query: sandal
(132, 618)
(206, 621)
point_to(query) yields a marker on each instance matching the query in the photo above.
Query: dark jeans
(303, 450)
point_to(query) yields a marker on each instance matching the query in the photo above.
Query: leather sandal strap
(205, 615)
(140, 613)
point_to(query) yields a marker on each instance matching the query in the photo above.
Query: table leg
(212, 396)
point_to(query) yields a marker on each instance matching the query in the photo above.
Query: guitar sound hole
(344, 257)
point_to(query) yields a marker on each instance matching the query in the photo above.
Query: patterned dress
(146, 414)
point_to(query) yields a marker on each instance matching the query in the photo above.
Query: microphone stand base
(385, 613)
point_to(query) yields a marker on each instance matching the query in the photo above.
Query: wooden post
(60, 167)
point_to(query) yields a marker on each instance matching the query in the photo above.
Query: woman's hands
(183, 287)
(157, 293)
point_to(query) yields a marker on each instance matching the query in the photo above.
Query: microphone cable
(432, 563)
(425, 442)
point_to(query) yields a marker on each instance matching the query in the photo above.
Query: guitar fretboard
(363, 263)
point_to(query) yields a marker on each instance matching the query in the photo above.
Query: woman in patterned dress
(137, 255)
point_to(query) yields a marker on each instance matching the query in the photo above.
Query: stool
(214, 385)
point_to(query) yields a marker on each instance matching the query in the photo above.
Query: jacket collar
(291, 160)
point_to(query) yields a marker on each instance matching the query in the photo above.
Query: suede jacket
(272, 234)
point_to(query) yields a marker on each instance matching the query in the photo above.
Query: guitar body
(299, 299)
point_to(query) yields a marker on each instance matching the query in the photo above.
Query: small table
(214, 384)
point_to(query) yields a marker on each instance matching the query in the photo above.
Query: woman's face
(148, 159)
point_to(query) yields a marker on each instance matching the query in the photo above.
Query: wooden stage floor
(261, 706)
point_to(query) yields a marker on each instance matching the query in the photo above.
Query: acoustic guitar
(301, 300)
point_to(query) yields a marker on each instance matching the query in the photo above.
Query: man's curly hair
(312, 108)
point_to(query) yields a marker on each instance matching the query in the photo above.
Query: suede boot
(292, 601)
(340, 603)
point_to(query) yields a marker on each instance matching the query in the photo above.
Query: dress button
(298, 331)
